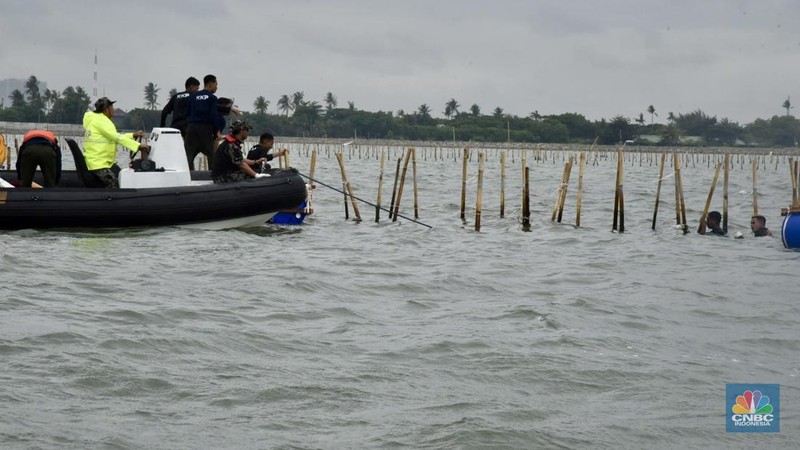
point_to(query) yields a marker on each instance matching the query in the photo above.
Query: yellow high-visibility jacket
(101, 139)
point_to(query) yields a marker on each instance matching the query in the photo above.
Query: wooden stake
(658, 188)
(755, 187)
(464, 184)
(559, 192)
(581, 168)
(380, 189)
(502, 184)
(526, 208)
(726, 160)
(414, 181)
(348, 189)
(394, 188)
(313, 166)
(616, 225)
(481, 158)
(701, 229)
(563, 198)
(400, 188)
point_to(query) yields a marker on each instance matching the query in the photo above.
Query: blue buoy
(790, 230)
(294, 217)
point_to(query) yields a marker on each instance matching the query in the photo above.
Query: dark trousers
(199, 139)
(42, 156)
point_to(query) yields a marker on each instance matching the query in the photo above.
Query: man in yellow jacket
(101, 140)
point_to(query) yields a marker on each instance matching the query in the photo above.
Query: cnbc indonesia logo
(752, 410)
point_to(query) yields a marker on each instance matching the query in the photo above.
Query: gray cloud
(731, 58)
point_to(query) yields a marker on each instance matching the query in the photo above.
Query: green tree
(32, 93)
(498, 112)
(640, 120)
(652, 111)
(297, 99)
(285, 104)
(172, 92)
(17, 99)
(330, 101)
(670, 135)
(151, 96)
(787, 105)
(351, 106)
(261, 105)
(535, 115)
(475, 110)
(451, 108)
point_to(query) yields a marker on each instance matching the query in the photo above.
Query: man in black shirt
(265, 143)
(178, 106)
(712, 223)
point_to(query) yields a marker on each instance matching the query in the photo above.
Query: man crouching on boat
(229, 161)
(101, 140)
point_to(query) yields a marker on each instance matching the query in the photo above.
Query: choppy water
(337, 334)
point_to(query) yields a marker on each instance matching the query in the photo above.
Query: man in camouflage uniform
(229, 161)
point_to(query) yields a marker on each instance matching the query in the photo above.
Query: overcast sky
(738, 59)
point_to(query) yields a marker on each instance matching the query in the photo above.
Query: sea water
(345, 334)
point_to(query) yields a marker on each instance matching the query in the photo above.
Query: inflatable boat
(163, 195)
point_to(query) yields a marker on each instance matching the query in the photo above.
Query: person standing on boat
(178, 106)
(101, 140)
(229, 161)
(206, 124)
(261, 151)
(39, 149)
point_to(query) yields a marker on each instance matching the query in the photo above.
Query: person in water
(100, 142)
(261, 151)
(758, 225)
(229, 161)
(39, 149)
(713, 224)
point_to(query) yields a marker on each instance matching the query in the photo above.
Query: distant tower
(94, 86)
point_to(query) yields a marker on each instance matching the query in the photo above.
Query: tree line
(297, 116)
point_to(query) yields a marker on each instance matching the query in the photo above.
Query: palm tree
(787, 105)
(640, 120)
(284, 104)
(351, 106)
(330, 101)
(475, 110)
(32, 93)
(297, 99)
(652, 111)
(498, 112)
(151, 96)
(424, 110)
(535, 115)
(17, 99)
(451, 108)
(671, 117)
(261, 104)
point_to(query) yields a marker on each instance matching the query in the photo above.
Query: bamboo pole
(414, 180)
(481, 158)
(560, 190)
(658, 188)
(617, 194)
(581, 168)
(464, 184)
(502, 184)
(400, 188)
(286, 159)
(380, 189)
(726, 160)
(339, 159)
(394, 188)
(793, 175)
(755, 187)
(312, 167)
(621, 195)
(680, 203)
(566, 186)
(701, 229)
(796, 178)
(526, 207)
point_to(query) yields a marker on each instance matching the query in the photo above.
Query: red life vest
(39, 134)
